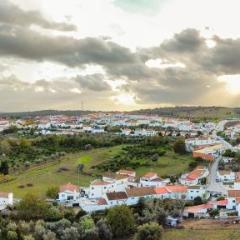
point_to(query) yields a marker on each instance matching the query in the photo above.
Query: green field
(169, 164)
(214, 234)
(45, 176)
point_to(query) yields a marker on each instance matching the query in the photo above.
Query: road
(213, 185)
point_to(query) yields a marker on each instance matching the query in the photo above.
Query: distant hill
(45, 113)
(197, 112)
(192, 112)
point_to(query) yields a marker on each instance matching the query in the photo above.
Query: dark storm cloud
(224, 58)
(176, 85)
(25, 43)
(93, 82)
(12, 14)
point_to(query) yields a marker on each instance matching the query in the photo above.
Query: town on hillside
(210, 189)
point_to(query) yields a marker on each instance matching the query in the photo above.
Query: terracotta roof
(140, 192)
(102, 201)
(223, 202)
(161, 190)
(99, 183)
(4, 194)
(126, 172)
(176, 188)
(69, 187)
(115, 176)
(195, 174)
(234, 193)
(196, 209)
(150, 175)
(116, 195)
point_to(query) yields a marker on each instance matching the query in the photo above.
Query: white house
(99, 187)
(233, 197)
(119, 181)
(193, 178)
(134, 194)
(196, 191)
(177, 191)
(197, 211)
(192, 143)
(5, 200)
(225, 176)
(68, 192)
(116, 198)
(152, 179)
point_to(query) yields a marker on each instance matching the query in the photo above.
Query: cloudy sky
(118, 54)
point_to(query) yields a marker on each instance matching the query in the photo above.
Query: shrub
(149, 231)
(121, 221)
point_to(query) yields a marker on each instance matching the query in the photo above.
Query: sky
(118, 54)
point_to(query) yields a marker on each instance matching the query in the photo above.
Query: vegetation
(149, 231)
(69, 161)
(121, 221)
(35, 219)
(179, 146)
(202, 234)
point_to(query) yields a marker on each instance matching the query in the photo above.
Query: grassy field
(169, 164)
(43, 177)
(214, 234)
(49, 175)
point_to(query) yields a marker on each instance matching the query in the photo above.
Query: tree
(179, 146)
(197, 200)
(104, 230)
(4, 168)
(87, 228)
(32, 207)
(213, 213)
(149, 231)
(52, 192)
(121, 220)
(229, 153)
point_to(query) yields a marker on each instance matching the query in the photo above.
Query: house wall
(97, 191)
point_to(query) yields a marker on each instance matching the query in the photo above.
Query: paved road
(213, 185)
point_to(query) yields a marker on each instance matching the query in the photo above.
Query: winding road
(213, 185)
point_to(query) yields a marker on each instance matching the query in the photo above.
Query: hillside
(197, 112)
(193, 112)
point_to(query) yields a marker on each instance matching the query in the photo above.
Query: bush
(121, 221)
(179, 146)
(149, 231)
(52, 192)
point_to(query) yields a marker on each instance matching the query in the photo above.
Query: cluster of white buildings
(123, 188)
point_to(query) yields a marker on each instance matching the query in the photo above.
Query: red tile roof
(4, 194)
(69, 187)
(101, 201)
(234, 193)
(223, 202)
(140, 192)
(150, 175)
(195, 174)
(177, 188)
(161, 190)
(126, 172)
(100, 183)
(116, 195)
(196, 209)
